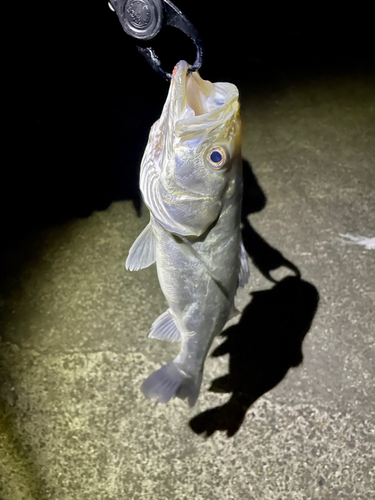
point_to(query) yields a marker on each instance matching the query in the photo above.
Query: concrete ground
(74, 351)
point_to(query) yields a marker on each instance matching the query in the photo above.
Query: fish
(191, 182)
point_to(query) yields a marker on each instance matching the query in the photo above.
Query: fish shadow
(268, 339)
(263, 255)
(262, 347)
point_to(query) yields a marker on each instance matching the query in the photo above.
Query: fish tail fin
(190, 389)
(168, 382)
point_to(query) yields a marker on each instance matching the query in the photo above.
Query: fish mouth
(201, 105)
(193, 91)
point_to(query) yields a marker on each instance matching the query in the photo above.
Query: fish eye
(217, 157)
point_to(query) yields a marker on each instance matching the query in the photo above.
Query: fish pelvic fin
(142, 252)
(164, 328)
(169, 382)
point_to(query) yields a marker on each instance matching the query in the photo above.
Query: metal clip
(143, 20)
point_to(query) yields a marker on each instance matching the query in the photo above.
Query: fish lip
(179, 86)
(181, 67)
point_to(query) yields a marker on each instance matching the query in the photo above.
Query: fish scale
(193, 189)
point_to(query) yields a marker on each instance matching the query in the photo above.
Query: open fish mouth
(199, 104)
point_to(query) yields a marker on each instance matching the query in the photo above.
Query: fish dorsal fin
(164, 328)
(142, 252)
(243, 276)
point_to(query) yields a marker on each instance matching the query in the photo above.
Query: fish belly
(199, 281)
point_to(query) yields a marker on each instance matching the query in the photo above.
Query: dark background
(80, 99)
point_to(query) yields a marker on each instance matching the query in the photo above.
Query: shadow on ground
(262, 347)
(268, 339)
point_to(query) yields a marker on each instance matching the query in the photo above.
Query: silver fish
(191, 181)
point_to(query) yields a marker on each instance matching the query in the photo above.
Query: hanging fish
(191, 181)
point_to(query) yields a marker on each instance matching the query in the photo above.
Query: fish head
(205, 136)
(194, 151)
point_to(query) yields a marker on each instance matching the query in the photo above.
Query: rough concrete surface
(74, 324)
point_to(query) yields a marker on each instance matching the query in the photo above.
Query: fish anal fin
(142, 252)
(243, 276)
(164, 328)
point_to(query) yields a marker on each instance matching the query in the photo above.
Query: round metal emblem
(142, 19)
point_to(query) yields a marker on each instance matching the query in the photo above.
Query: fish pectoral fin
(164, 328)
(142, 252)
(243, 276)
